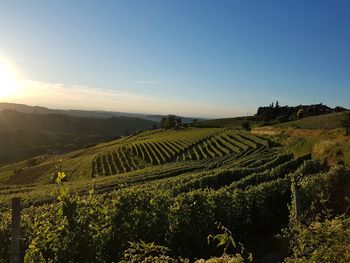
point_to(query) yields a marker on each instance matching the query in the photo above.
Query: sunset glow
(10, 83)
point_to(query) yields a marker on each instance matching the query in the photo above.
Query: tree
(245, 125)
(170, 122)
(277, 105)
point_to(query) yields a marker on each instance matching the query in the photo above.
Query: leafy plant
(226, 241)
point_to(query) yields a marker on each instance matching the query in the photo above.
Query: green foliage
(170, 122)
(325, 241)
(226, 240)
(97, 228)
(318, 234)
(5, 234)
(141, 252)
(247, 187)
(75, 229)
(147, 253)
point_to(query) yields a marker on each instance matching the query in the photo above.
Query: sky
(186, 57)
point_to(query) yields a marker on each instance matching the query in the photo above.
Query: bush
(327, 241)
(246, 126)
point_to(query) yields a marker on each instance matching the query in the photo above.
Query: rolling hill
(23, 135)
(85, 113)
(326, 122)
(136, 152)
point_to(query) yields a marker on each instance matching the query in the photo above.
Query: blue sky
(203, 58)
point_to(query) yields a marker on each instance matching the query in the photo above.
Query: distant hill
(84, 113)
(23, 135)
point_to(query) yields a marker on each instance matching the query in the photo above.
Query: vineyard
(137, 152)
(168, 187)
(159, 148)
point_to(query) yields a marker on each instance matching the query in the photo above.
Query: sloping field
(168, 187)
(154, 156)
(325, 122)
(132, 153)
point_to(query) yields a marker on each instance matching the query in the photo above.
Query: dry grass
(331, 146)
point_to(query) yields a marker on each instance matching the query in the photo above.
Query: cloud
(70, 96)
(147, 82)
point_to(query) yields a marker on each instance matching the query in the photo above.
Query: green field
(171, 187)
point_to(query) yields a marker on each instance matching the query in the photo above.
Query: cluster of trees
(277, 113)
(171, 122)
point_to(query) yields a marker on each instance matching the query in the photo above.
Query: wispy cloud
(147, 82)
(70, 96)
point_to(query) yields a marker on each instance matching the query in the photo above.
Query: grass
(330, 146)
(325, 122)
(326, 137)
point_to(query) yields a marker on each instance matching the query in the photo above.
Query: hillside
(25, 135)
(326, 137)
(326, 122)
(136, 152)
(169, 187)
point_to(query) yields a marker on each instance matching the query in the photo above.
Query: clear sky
(199, 58)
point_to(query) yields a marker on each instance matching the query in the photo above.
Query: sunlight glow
(10, 83)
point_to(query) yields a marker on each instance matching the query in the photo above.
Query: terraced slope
(132, 153)
(155, 148)
(213, 157)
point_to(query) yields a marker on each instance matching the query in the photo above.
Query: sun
(10, 84)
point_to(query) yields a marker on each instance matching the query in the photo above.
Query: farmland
(171, 187)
